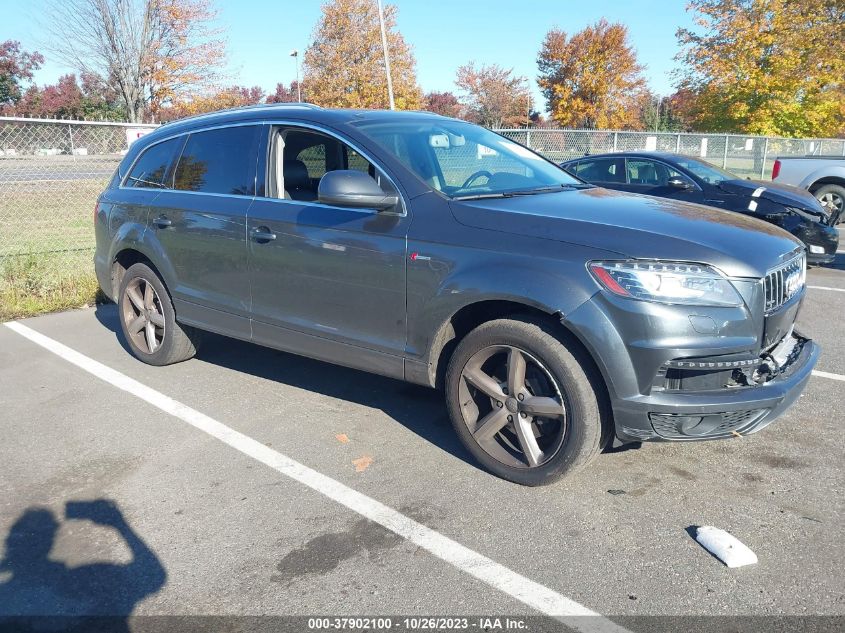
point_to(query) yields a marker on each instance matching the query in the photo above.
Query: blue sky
(444, 34)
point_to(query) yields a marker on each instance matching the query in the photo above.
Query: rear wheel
(148, 320)
(524, 401)
(832, 198)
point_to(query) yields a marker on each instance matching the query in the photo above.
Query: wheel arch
(827, 180)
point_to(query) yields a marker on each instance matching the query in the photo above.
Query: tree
(493, 96)
(16, 65)
(231, 97)
(766, 66)
(592, 79)
(445, 103)
(284, 94)
(150, 51)
(659, 114)
(344, 66)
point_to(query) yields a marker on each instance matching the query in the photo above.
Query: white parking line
(827, 374)
(827, 288)
(535, 595)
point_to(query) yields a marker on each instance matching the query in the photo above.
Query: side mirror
(355, 189)
(679, 183)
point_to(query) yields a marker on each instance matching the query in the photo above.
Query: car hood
(636, 226)
(786, 195)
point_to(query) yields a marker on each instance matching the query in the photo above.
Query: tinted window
(150, 169)
(219, 161)
(602, 170)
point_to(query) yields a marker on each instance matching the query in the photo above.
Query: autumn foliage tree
(152, 52)
(284, 93)
(591, 79)
(16, 66)
(445, 103)
(493, 96)
(344, 65)
(766, 66)
(221, 99)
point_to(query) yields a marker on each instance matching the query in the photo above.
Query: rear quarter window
(151, 168)
(219, 161)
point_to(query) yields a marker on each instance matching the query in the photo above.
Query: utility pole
(386, 56)
(295, 54)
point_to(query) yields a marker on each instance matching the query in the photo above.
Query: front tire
(525, 400)
(148, 320)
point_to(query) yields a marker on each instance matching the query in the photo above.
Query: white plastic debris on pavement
(725, 547)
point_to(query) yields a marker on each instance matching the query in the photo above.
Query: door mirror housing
(355, 189)
(679, 183)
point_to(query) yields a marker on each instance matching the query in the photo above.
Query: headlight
(666, 282)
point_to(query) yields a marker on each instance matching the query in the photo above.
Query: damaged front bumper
(763, 390)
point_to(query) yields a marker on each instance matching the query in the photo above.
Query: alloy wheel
(143, 315)
(512, 406)
(832, 201)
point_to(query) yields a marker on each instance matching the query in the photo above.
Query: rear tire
(551, 426)
(832, 198)
(148, 320)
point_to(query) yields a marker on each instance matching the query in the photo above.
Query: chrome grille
(784, 282)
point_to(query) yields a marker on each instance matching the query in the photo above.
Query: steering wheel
(476, 176)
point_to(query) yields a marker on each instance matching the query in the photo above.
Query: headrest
(296, 175)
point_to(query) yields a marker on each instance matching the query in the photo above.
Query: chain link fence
(746, 156)
(51, 172)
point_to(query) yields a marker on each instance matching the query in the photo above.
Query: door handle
(263, 234)
(162, 222)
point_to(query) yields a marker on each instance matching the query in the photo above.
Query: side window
(300, 158)
(602, 170)
(647, 172)
(219, 161)
(150, 170)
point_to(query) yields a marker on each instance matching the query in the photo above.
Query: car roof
(304, 111)
(667, 156)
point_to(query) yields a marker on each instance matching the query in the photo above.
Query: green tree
(344, 65)
(765, 66)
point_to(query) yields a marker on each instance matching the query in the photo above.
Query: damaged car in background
(689, 179)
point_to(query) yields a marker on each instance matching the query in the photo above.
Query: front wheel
(524, 401)
(149, 322)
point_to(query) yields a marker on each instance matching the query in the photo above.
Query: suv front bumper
(688, 416)
(633, 343)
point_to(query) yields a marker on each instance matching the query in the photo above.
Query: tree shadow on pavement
(38, 593)
(419, 409)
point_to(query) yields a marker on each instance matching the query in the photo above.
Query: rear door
(200, 222)
(330, 273)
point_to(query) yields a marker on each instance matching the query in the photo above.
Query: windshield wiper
(525, 192)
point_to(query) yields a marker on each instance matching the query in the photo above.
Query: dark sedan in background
(694, 180)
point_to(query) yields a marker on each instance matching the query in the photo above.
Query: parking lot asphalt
(226, 535)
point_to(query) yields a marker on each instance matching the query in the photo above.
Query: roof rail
(257, 106)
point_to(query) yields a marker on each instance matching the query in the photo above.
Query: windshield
(707, 172)
(467, 161)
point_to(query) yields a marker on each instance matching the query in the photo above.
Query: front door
(327, 281)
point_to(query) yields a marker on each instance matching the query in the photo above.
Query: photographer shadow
(38, 593)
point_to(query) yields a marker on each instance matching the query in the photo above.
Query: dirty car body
(478, 262)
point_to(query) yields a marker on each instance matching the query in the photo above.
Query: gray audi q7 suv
(556, 315)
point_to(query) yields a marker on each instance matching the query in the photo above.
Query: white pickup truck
(823, 176)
